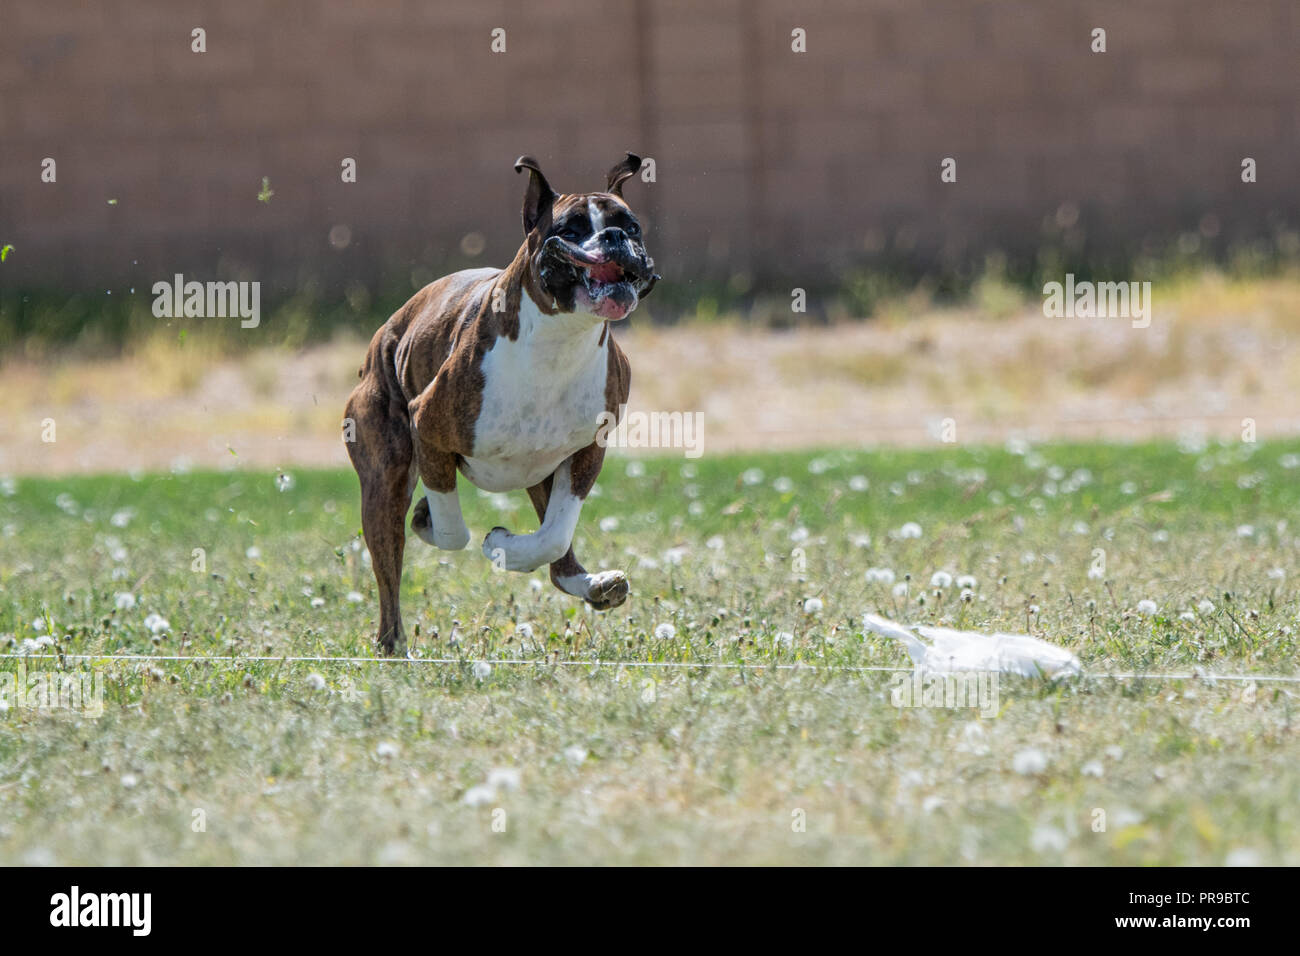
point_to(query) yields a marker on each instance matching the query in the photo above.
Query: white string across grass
(677, 665)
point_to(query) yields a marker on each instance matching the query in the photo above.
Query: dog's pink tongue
(605, 272)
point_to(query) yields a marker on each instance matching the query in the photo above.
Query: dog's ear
(624, 170)
(538, 197)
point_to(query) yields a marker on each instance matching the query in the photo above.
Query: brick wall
(767, 160)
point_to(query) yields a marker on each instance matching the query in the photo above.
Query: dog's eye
(633, 230)
(574, 230)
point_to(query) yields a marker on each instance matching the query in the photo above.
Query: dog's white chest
(542, 398)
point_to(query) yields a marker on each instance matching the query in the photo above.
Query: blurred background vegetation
(35, 323)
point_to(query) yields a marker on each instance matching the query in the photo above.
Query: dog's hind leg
(382, 454)
(604, 589)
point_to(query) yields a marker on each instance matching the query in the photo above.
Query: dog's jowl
(504, 376)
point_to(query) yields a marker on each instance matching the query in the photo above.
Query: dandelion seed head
(504, 778)
(479, 796)
(1029, 761)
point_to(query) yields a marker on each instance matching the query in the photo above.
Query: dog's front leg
(437, 517)
(526, 552)
(604, 589)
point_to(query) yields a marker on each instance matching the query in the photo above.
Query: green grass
(688, 764)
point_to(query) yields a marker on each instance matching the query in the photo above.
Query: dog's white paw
(453, 540)
(521, 552)
(496, 548)
(606, 590)
(446, 539)
(603, 590)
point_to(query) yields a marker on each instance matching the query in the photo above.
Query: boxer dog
(502, 375)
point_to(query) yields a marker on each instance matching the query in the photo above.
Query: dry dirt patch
(1215, 355)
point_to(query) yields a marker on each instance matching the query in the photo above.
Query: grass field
(239, 761)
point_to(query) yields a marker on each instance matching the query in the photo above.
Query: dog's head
(585, 250)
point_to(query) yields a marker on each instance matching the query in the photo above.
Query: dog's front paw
(445, 539)
(495, 543)
(421, 523)
(608, 589)
(452, 540)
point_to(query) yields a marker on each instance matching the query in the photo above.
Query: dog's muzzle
(611, 271)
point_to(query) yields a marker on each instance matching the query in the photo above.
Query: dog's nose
(613, 235)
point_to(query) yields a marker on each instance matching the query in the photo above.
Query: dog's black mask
(587, 248)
